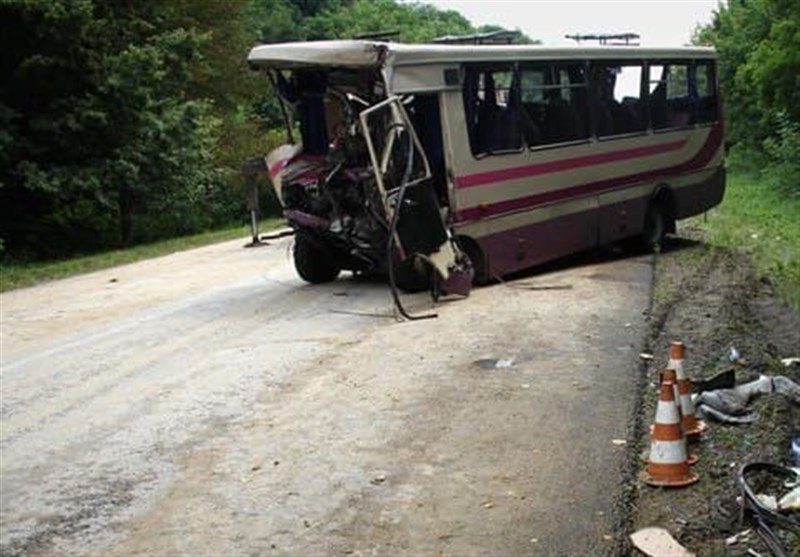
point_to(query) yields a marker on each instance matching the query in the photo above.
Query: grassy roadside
(18, 275)
(759, 220)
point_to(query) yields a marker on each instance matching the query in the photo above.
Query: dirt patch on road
(713, 300)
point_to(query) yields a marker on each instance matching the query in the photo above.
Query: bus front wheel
(312, 261)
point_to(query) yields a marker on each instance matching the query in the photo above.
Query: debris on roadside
(657, 542)
(763, 509)
(722, 380)
(495, 363)
(731, 405)
(742, 536)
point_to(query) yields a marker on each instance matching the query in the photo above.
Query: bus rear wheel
(313, 262)
(655, 226)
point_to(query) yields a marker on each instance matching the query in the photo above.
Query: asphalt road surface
(210, 402)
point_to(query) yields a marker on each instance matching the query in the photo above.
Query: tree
(102, 145)
(757, 41)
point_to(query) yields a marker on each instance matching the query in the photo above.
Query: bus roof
(364, 54)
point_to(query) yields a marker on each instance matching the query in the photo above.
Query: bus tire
(655, 226)
(473, 251)
(312, 261)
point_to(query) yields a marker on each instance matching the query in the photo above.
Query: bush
(782, 152)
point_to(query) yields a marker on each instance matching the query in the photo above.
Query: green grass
(19, 274)
(758, 219)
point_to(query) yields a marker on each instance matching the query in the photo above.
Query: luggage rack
(612, 39)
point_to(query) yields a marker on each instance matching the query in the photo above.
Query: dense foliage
(127, 121)
(759, 47)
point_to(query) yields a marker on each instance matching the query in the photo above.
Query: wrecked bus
(448, 164)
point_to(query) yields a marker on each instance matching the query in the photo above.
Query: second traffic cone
(676, 352)
(668, 465)
(691, 425)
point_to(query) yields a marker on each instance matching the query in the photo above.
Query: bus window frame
(558, 64)
(482, 68)
(692, 64)
(643, 97)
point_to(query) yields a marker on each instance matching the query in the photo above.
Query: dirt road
(210, 402)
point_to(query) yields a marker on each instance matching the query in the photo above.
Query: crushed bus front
(356, 184)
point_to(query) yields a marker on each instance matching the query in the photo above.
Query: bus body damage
(357, 187)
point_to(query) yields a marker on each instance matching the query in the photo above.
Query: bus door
(403, 180)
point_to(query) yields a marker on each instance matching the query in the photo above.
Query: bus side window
(492, 110)
(617, 92)
(706, 96)
(673, 87)
(554, 97)
(657, 98)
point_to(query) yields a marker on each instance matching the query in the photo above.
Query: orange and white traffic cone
(676, 353)
(671, 376)
(691, 425)
(668, 465)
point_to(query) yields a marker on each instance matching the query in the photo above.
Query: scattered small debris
(657, 542)
(723, 380)
(733, 355)
(524, 286)
(619, 442)
(277, 234)
(255, 468)
(645, 356)
(361, 313)
(790, 501)
(730, 405)
(763, 509)
(488, 505)
(495, 363)
(769, 501)
(113, 279)
(788, 362)
(378, 479)
(736, 538)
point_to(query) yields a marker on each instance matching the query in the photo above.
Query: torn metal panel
(359, 184)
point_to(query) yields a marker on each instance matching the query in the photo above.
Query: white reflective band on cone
(667, 413)
(668, 452)
(687, 408)
(677, 365)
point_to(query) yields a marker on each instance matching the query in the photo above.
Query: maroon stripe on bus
(700, 159)
(494, 176)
